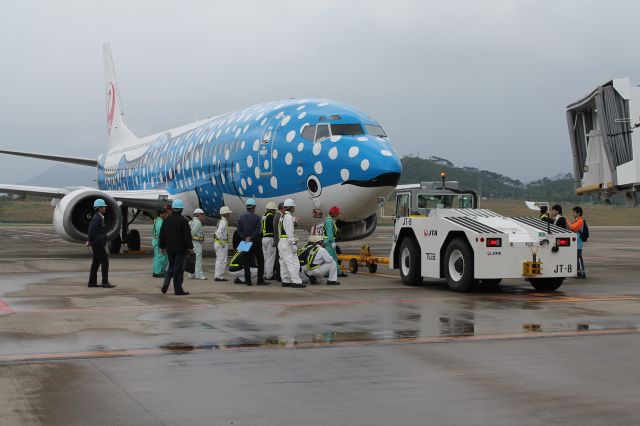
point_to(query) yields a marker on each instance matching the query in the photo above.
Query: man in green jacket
(160, 259)
(330, 234)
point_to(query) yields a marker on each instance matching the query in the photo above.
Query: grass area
(596, 214)
(26, 211)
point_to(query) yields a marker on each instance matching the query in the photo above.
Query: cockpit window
(375, 130)
(322, 132)
(309, 132)
(346, 129)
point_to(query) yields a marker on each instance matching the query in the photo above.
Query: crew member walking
(97, 240)
(249, 230)
(175, 239)
(289, 263)
(330, 234)
(221, 243)
(160, 259)
(197, 235)
(268, 248)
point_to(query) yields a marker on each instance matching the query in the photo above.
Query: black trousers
(276, 265)
(258, 257)
(175, 270)
(100, 259)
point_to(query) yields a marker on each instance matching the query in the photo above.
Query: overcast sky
(481, 83)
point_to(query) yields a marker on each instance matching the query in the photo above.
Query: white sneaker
(202, 278)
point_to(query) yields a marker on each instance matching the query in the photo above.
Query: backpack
(584, 234)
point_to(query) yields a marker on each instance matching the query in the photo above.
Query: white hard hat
(289, 203)
(198, 211)
(271, 205)
(225, 210)
(315, 238)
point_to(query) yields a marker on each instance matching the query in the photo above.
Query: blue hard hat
(99, 203)
(250, 202)
(177, 204)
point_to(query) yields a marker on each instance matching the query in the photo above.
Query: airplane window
(346, 129)
(323, 132)
(375, 130)
(309, 132)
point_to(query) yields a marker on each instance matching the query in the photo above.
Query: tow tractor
(440, 232)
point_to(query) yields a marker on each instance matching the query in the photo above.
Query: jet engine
(357, 230)
(74, 211)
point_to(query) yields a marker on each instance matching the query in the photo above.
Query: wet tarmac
(370, 351)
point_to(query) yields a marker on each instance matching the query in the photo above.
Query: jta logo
(430, 256)
(494, 253)
(111, 105)
(430, 232)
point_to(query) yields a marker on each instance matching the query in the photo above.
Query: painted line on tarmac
(189, 349)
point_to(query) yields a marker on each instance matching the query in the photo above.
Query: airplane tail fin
(118, 134)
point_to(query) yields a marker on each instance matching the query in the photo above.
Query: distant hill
(489, 184)
(61, 175)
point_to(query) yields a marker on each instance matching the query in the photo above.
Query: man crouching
(319, 262)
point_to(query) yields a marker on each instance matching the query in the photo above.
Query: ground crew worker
(160, 260)
(268, 249)
(97, 240)
(330, 234)
(249, 230)
(175, 239)
(238, 262)
(276, 239)
(577, 226)
(556, 216)
(544, 213)
(197, 236)
(221, 243)
(289, 263)
(320, 263)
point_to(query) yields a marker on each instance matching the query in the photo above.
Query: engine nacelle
(74, 211)
(358, 230)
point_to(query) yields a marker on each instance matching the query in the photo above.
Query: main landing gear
(129, 237)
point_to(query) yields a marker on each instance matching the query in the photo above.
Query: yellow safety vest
(227, 230)
(335, 228)
(267, 217)
(311, 257)
(281, 231)
(196, 238)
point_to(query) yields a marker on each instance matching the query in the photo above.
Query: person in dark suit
(175, 240)
(97, 240)
(556, 216)
(249, 229)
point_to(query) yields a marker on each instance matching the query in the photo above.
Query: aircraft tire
(133, 240)
(115, 245)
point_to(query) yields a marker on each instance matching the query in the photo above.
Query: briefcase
(190, 264)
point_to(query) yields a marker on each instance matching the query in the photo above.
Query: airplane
(319, 152)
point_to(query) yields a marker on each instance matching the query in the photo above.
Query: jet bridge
(603, 129)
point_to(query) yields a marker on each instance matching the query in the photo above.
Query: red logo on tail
(111, 105)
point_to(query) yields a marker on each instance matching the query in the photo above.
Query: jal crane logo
(111, 105)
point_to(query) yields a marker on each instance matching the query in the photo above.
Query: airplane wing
(142, 199)
(58, 158)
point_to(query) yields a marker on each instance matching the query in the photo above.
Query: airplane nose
(380, 167)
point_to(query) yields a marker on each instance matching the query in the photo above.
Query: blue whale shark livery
(319, 152)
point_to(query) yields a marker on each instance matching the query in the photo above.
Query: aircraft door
(266, 146)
